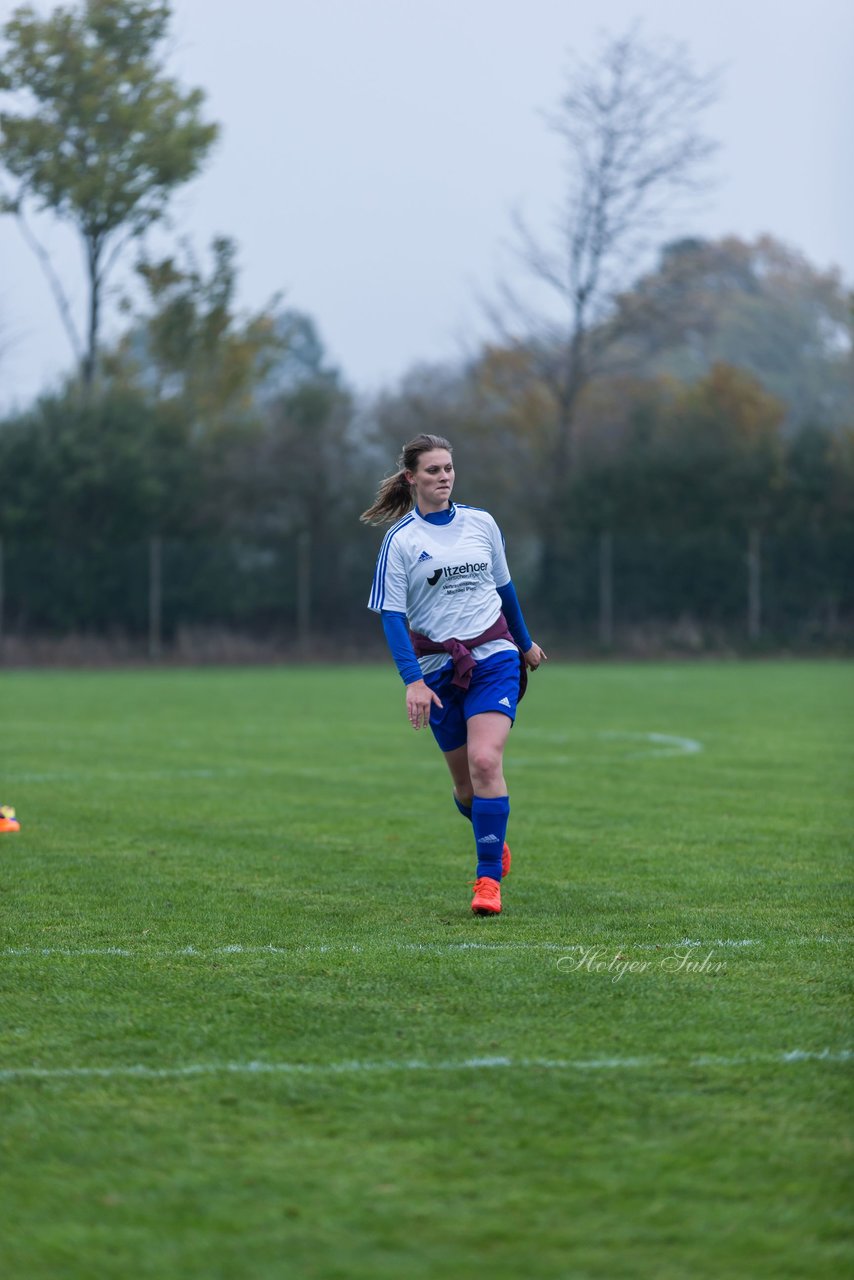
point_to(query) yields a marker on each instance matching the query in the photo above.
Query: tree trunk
(571, 385)
(90, 360)
(553, 524)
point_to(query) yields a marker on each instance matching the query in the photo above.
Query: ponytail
(393, 500)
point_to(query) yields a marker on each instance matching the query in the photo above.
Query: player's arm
(419, 698)
(397, 636)
(512, 611)
(510, 606)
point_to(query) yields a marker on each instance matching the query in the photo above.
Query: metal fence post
(304, 590)
(606, 588)
(155, 597)
(754, 585)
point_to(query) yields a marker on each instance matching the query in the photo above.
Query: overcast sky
(373, 152)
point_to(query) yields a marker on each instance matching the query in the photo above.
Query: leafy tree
(718, 452)
(109, 471)
(106, 139)
(189, 346)
(191, 353)
(759, 306)
(298, 357)
(309, 483)
(93, 480)
(813, 545)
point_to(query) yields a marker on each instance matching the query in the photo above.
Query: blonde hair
(394, 496)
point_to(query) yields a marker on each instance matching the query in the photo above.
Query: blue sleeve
(397, 635)
(513, 613)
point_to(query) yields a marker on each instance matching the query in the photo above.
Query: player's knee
(484, 764)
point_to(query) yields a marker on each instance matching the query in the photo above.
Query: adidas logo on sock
(425, 555)
(504, 702)
(490, 839)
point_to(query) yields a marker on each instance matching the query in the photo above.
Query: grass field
(250, 1028)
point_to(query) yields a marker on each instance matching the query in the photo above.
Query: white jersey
(444, 578)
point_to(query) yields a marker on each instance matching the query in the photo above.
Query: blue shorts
(494, 687)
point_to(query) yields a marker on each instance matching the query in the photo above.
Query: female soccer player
(443, 573)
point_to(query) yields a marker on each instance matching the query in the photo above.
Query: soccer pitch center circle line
(660, 745)
(139, 1071)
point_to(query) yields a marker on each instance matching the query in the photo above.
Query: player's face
(433, 480)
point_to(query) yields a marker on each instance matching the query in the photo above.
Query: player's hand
(534, 657)
(419, 700)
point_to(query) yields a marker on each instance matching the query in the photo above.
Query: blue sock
(489, 819)
(464, 809)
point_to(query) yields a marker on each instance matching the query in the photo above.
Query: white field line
(130, 775)
(139, 1071)
(660, 745)
(666, 744)
(431, 948)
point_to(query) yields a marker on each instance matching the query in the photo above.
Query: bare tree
(630, 125)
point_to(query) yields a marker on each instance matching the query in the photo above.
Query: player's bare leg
(478, 776)
(487, 736)
(458, 764)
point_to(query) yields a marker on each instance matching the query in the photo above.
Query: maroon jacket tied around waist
(460, 651)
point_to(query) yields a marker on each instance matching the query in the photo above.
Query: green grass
(224, 868)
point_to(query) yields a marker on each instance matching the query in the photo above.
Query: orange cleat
(487, 897)
(506, 859)
(8, 821)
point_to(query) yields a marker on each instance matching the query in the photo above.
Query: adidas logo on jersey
(490, 839)
(504, 702)
(425, 555)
